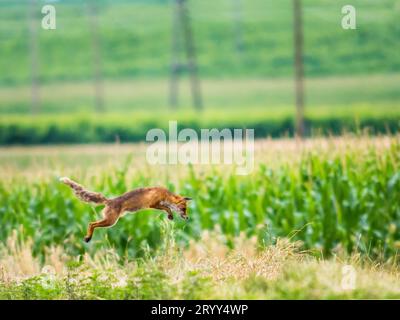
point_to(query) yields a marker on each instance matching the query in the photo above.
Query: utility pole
(175, 66)
(97, 62)
(182, 28)
(237, 12)
(34, 57)
(299, 67)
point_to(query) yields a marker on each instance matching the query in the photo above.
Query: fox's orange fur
(153, 197)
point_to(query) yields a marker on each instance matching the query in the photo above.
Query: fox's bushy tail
(83, 194)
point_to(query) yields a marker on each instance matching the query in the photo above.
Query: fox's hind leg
(110, 217)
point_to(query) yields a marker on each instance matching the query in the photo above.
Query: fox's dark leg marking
(174, 207)
(170, 206)
(167, 210)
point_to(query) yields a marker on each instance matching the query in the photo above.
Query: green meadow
(136, 39)
(351, 76)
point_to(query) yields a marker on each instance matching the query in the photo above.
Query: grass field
(334, 105)
(344, 95)
(135, 39)
(351, 75)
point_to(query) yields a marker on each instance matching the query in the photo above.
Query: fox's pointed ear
(188, 198)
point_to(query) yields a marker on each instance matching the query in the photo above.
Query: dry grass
(211, 257)
(279, 271)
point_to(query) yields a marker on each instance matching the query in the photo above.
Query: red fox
(142, 198)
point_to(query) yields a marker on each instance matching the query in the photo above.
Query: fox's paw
(87, 239)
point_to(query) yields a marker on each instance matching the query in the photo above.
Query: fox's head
(181, 203)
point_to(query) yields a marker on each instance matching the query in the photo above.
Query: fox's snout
(183, 212)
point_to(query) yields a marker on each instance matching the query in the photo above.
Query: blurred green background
(245, 63)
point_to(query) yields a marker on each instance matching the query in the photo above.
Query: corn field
(339, 195)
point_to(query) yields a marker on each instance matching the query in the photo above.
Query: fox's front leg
(167, 210)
